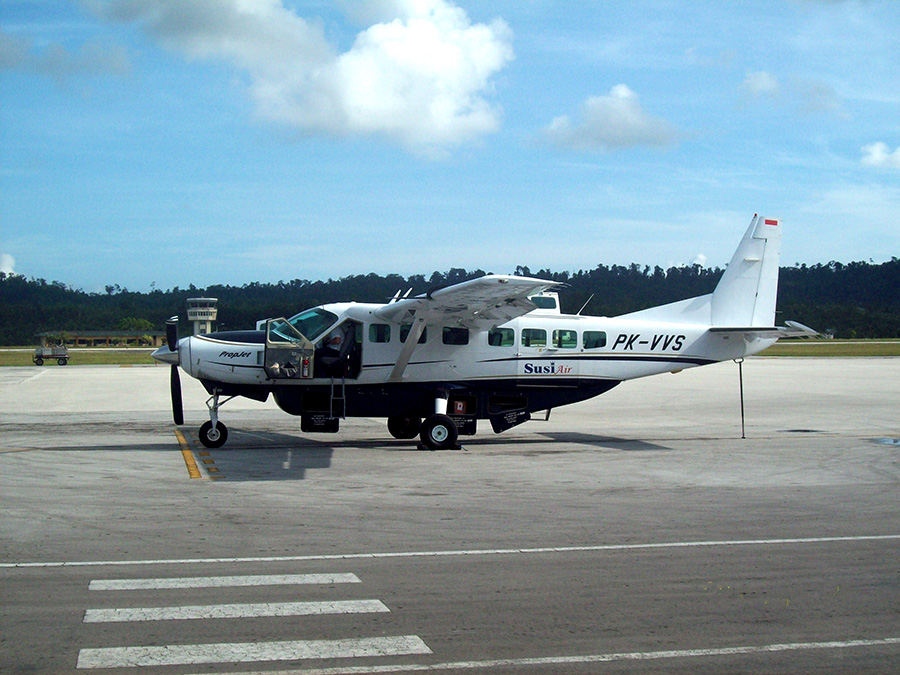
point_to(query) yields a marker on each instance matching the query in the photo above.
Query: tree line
(854, 300)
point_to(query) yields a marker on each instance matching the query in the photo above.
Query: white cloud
(421, 75)
(819, 97)
(759, 84)
(880, 155)
(7, 264)
(809, 96)
(612, 122)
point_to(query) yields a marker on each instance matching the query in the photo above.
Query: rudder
(747, 291)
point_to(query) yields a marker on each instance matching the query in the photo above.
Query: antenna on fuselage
(578, 313)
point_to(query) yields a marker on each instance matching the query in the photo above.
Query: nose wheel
(213, 434)
(213, 437)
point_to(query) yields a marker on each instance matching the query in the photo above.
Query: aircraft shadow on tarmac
(255, 455)
(605, 442)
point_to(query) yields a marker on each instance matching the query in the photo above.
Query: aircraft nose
(165, 355)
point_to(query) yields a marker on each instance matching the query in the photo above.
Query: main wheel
(39, 361)
(213, 438)
(404, 427)
(62, 361)
(439, 432)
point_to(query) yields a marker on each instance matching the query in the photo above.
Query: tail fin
(746, 293)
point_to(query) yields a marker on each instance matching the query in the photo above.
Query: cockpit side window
(313, 322)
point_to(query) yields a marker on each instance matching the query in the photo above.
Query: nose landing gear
(213, 434)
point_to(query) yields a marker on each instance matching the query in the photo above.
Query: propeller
(174, 378)
(172, 333)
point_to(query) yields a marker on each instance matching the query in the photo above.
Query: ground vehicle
(60, 353)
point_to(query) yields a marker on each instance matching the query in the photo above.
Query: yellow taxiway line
(189, 461)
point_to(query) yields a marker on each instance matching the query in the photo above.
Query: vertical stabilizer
(746, 293)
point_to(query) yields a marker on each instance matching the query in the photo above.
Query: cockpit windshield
(313, 322)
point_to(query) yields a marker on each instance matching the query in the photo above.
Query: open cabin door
(289, 354)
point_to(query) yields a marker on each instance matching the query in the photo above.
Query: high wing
(479, 304)
(792, 329)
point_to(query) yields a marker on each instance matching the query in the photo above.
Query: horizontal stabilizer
(792, 329)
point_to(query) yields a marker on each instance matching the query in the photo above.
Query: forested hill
(858, 299)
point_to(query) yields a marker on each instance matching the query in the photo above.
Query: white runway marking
(468, 552)
(235, 652)
(589, 658)
(220, 582)
(235, 611)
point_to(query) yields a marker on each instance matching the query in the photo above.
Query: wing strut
(412, 340)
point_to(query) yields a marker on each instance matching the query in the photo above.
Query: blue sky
(170, 142)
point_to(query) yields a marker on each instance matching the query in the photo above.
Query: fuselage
(495, 347)
(544, 359)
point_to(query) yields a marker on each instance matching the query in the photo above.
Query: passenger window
(534, 337)
(501, 337)
(404, 333)
(565, 339)
(379, 332)
(594, 339)
(455, 336)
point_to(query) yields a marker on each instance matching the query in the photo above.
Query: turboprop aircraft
(495, 348)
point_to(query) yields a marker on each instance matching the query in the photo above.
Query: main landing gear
(213, 434)
(437, 431)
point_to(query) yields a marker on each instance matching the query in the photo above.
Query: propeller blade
(172, 333)
(175, 386)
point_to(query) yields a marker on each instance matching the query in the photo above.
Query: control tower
(203, 312)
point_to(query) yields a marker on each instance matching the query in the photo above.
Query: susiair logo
(547, 369)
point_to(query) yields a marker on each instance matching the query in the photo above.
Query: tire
(213, 439)
(439, 432)
(404, 428)
(62, 361)
(39, 361)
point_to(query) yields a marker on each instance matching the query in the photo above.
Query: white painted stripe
(466, 552)
(220, 582)
(589, 658)
(246, 652)
(235, 611)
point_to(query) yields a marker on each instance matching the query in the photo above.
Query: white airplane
(495, 348)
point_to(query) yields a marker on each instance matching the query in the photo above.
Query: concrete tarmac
(636, 532)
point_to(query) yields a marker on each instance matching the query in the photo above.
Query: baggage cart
(60, 353)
